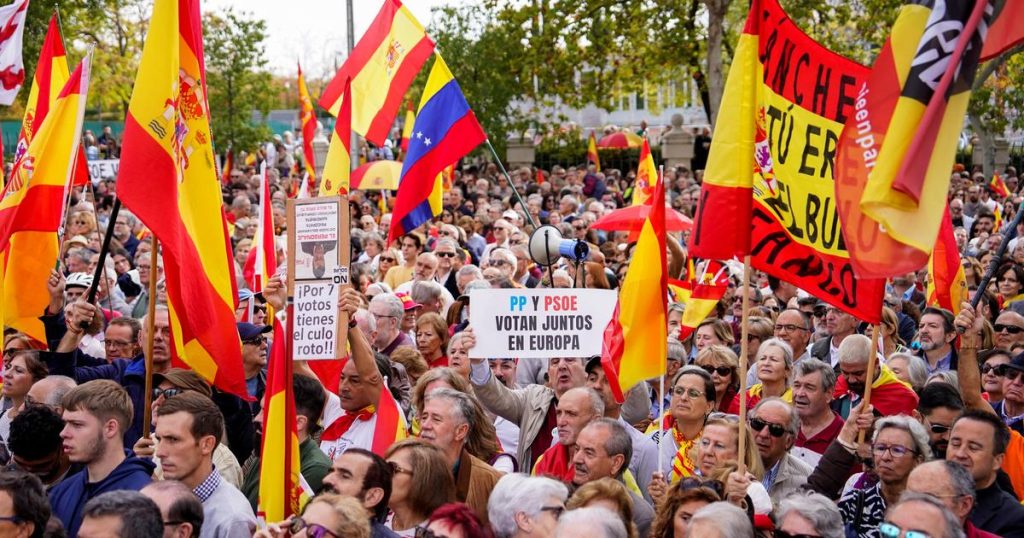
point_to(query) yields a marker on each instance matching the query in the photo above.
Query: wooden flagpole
(870, 377)
(147, 412)
(743, 362)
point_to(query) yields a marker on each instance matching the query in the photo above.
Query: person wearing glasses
(121, 339)
(447, 250)
(678, 431)
(422, 483)
(254, 359)
(120, 514)
(899, 444)
(326, 516)
(993, 373)
(919, 515)
(24, 509)
(179, 507)
(794, 328)
(938, 409)
(952, 485)
(774, 424)
(722, 364)
(1009, 329)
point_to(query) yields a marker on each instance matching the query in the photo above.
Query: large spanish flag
(899, 142)
(947, 283)
(168, 179)
(768, 189)
(281, 494)
(381, 66)
(338, 168)
(308, 120)
(592, 155)
(51, 75)
(646, 176)
(636, 339)
(32, 209)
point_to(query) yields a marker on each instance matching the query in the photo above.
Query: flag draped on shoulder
(381, 67)
(281, 494)
(636, 339)
(899, 143)
(307, 118)
(446, 130)
(947, 282)
(261, 263)
(646, 176)
(32, 208)
(338, 169)
(768, 189)
(168, 179)
(592, 156)
(12, 69)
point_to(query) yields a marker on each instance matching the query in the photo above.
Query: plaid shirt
(208, 486)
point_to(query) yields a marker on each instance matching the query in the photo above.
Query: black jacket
(998, 512)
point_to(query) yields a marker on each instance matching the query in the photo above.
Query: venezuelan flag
(445, 131)
(169, 181)
(338, 168)
(31, 208)
(308, 120)
(636, 339)
(381, 66)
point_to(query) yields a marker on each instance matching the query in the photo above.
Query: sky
(313, 31)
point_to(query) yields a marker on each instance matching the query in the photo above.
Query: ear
(301, 423)
(208, 444)
(618, 461)
(183, 531)
(461, 432)
(111, 428)
(918, 416)
(523, 521)
(372, 497)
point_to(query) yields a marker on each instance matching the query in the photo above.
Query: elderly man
(936, 334)
(575, 409)
(813, 384)
(775, 424)
(922, 514)
(1009, 330)
(120, 514)
(388, 310)
(504, 261)
(889, 395)
(447, 421)
(795, 328)
(179, 507)
(447, 250)
(949, 482)
(604, 449)
(840, 325)
(1011, 408)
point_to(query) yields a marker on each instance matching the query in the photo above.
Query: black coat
(998, 512)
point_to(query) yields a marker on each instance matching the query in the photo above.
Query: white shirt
(359, 435)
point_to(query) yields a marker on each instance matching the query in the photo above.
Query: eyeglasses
(693, 394)
(117, 343)
(895, 451)
(776, 430)
(1011, 374)
(166, 393)
(12, 519)
(993, 369)
(313, 530)
(556, 511)
(445, 254)
(820, 312)
(256, 341)
(397, 469)
(387, 259)
(1012, 329)
(720, 370)
(888, 530)
(779, 327)
(497, 262)
(783, 534)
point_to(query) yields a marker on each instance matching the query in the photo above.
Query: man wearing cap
(1011, 408)
(254, 359)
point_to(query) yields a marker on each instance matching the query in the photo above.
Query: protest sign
(103, 169)
(539, 323)
(318, 246)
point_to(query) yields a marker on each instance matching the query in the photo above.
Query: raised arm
(971, 324)
(362, 353)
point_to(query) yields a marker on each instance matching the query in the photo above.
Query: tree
(997, 89)
(238, 81)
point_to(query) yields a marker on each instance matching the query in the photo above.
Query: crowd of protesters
(514, 447)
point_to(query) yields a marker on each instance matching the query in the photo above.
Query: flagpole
(147, 418)
(62, 228)
(997, 259)
(870, 379)
(743, 361)
(661, 422)
(512, 184)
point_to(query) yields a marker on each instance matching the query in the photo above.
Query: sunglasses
(445, 254)
(888, 530)
(313, 530)
(720, 370)
(993, 369)
(166, 393)
(939, 429)
(1011, 374)
(776, 430)
(1012, 329)
(387, 259)
(694, 483)
(257, 341)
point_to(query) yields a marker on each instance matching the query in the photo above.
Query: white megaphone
(547, 245)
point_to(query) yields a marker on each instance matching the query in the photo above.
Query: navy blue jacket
(68, 498)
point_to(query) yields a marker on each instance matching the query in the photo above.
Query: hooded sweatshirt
(69, 497)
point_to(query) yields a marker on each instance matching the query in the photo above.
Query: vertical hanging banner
(771, 164)
(318, 260)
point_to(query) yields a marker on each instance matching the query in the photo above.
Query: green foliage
(237, 79)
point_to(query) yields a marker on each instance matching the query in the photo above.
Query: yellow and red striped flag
(169, 180)
(705, 293)
(646, 176)
(410, 120)
(679, 291)
(947, 283)
(32, 208)
(52, 73)
(338, 168)
(381, 67)
(592, 152)
(308, 121)
(281, 494)
(261, 263)
(636, 339)
(998, 186)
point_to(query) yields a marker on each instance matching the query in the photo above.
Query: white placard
(316, 321)
(316, 240)
(103, 169)
(539, 323)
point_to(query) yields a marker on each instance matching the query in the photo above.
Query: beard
(93, 450)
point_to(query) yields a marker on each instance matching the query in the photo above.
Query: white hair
(591, 521)
(527, 494)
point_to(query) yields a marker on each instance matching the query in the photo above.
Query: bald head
(50, 390)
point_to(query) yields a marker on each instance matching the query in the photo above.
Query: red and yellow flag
(169, 180)
(705, 294)
(32, 207)
(768, 189)
(281, 494)
(947, 283)
(338, 168)
(592, 152)
(410, 120)
(646, 176)
(381, 67)
(636, 339)
(261, 263)
(308, 121)
(899, 142)
(391, 425)
(998, 186)
(229, 165)
(51, 75)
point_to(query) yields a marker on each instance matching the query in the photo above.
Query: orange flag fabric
(169, 181)
(768, 187)
(636, 339)
(32, 208)
(592, 151)
(947, 283)
(308, 121)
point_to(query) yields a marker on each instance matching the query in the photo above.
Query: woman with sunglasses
(678, 432)
(326, 516)
(993, 373)
(422, 483)
(723, 366)
(774, 369)
(387, 259)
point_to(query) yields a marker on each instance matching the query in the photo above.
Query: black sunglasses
(257, 341)
(1012, 329)
(993, 369)
(166, 393)
(777, 430)
(694, 483)
(721, 370)
(939, 429)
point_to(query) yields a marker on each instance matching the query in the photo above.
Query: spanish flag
(998, 186)
(947, 284)
(229, 165)
(32, 207)
(902, 135)
(391, 425)
(381, 67)
(338, 168)
(51, 75)
(281, 493)
(261, 263)
(646, 176)
(410, 120)
(169, 181)
(307, 118)
(636, 339)
(592, 152)
(705, 294)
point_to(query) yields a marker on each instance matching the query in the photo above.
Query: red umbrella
(633, 217)
(620, 140)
